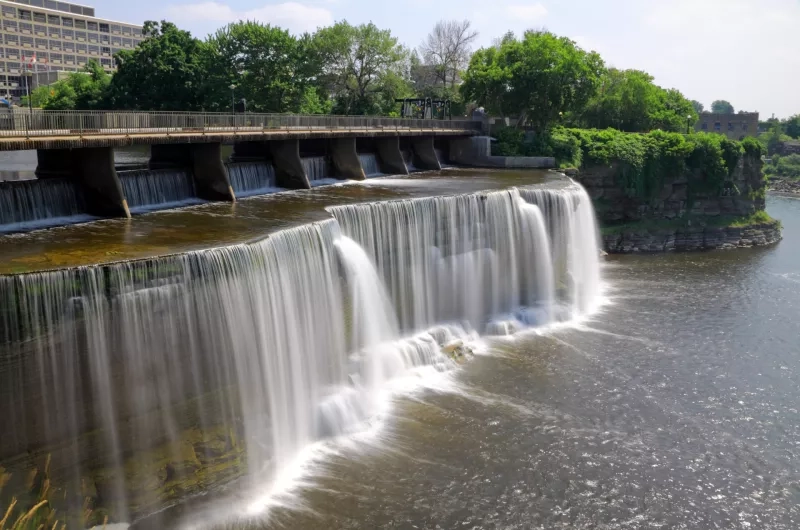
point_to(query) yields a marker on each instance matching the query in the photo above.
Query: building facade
(62, 37)
(734, 126)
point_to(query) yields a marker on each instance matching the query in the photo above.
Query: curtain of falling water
(369, 162)
(146, 189)
(26, 202)
(249, 178)
(282, 341)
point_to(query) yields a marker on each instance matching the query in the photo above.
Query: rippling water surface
(675, 406)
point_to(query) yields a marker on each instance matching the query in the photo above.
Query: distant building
(45, 37)
(734, 126)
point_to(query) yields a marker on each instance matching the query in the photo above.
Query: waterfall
(36, 203)
(228, 362)
(318, 170)
(252, 178)
(369, 163)
(161, 189)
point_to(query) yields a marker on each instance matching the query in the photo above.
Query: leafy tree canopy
(722, 107)
(536, 78)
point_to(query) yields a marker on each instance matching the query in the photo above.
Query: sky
(743, 51)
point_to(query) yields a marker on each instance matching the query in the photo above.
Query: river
(674, 406)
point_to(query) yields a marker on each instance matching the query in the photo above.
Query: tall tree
(721, 106)
(268, 66)
(792, 126)
(537, 78)
(447, 49)
(362, 67)
(698, 107)
(167, 71)
(83, 90)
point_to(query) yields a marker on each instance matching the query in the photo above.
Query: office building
(60, 36)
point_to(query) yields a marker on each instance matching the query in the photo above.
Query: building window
(104, 28)
(91, 26)
(80, 48)
(744, 127)
(105, 62)
(83, 60)
(10, 12)
(67, 34)
(126, 31)
(40, 30)
(80, 24)
(54, 20)
(105, 50)
(55, 45)
(93, 37)
(41, 44)
(94, 50)
(730, 126)
(69, 59)
(9, 25)
(116, 41)
(127, 43)
(26, 27)
(115, 29)
(69, 47)
(67, 22)
(88, 11)
(55, 33)
(26, 42)
(80, 36)
(717, 126)
(24, 14)
(55, 58)
(12, 39)
(51, 4)
(41, 18)
(104, 39)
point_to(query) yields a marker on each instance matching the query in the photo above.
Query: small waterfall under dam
(37, 203)
(150, 381)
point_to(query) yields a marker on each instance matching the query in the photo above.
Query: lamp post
(233, 98)
(689, 124)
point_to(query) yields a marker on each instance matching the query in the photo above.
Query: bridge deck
(111, 138)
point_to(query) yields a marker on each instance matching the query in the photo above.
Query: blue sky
(745, 51)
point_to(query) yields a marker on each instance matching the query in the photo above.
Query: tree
(721, 106)
(268, 66)
(628, 100)
(698, 107)
(447, 50)
(537, 78)
(84, 90)
(167, 71)
(362, 67)
(792, 126)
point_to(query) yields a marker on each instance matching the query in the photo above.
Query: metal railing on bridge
(92, 123)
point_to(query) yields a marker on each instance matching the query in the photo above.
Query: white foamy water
(37, 203)
(278, 345)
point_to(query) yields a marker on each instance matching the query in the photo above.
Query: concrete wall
(93, 168)
(424, 153)
(390, 157)
(345, 159)
(204, 161)
(289, 171)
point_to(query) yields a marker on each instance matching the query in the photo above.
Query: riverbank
(755, 231)
(784, 185)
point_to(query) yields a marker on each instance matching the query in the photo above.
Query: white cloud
(294, 16)
(527, 13)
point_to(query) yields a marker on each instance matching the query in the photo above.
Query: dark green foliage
(84, 90)
(644, 160)
(721, 106)
(783, 166)
(167, 71)
(536, 78)
(628, 100)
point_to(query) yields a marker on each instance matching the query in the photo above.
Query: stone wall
(678, 216)
(743, 194)
(687, 239)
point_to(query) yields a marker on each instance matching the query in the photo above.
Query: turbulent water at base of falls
(244, 355)
(408, 158)
(252, 178)
(28, 204)
(150, 190)
(369, 163)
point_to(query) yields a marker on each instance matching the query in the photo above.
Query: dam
(201, 347)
